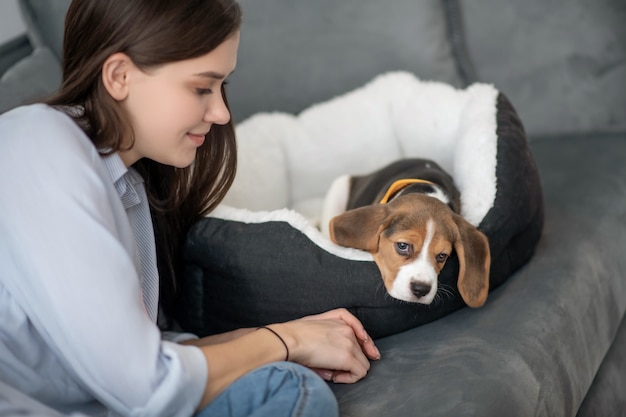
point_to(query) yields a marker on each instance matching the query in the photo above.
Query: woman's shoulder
(39, 128)
(40, 141)
(35, 117)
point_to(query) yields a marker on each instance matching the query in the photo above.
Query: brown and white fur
(410, 232)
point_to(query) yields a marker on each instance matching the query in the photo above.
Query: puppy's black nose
(419, 289)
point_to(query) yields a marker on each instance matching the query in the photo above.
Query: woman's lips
(197, 139)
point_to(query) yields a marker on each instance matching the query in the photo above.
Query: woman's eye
(404, 249)
(441, 258)
(203, 91)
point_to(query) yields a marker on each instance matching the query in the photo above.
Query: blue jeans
(276, 390)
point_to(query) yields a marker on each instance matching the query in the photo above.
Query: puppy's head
(410, 239)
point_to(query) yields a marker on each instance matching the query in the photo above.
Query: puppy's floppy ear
(472, 248)
(359, 228)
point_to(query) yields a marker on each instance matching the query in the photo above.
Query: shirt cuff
(180, 393)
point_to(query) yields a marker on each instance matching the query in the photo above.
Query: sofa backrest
(297, 53)
(44, 21)
(561, 62)
(32, 78)
(32, 71)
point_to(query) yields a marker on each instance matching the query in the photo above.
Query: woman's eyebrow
(212, 74)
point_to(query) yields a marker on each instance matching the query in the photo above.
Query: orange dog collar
(399, 185)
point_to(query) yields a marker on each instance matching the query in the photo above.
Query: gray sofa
(551, 340)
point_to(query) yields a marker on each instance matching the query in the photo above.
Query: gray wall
(11, 24)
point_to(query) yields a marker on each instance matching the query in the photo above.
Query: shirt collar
(125, 180)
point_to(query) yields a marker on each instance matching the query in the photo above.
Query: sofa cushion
(323, 48)
(45, 20)
(12, 51)
(32, 78)
(243, 262)
(562, 63)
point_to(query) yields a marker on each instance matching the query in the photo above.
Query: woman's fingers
(353, 322)
(339, 377)
(343, 377)
(325, 374)
(366, 342)
(326, 344)
(348, 318)
(370, 349)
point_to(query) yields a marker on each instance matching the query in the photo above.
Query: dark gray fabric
(33, 78)
(606, 397)
(296, 53)
(534, 348)
(562, 62)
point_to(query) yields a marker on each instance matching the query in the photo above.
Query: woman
(104, 180)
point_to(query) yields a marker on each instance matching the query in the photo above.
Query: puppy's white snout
(420, 289)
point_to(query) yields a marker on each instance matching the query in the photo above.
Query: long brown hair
(151, 33)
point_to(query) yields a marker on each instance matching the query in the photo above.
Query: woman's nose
(217, 112)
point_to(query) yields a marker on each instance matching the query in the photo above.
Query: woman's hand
(367, 344)
(334, 344)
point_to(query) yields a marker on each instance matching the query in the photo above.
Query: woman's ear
(115, 75)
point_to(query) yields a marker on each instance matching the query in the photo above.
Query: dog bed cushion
(259, 257)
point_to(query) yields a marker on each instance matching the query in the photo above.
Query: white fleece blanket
(288, 161)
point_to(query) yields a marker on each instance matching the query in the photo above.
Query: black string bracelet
(279, 338)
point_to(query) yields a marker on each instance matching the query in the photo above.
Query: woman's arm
(72, 305)
(218, 338)
(334, 344)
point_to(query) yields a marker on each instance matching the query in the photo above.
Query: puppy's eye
(404, 249)
(441, 258)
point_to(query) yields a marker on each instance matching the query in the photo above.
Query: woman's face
(173, 107)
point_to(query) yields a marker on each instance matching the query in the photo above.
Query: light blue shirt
(74, 327)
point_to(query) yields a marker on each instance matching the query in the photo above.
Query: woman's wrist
(278, 336)
(219, 338)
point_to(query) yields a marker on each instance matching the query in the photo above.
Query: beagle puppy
(407, 216)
